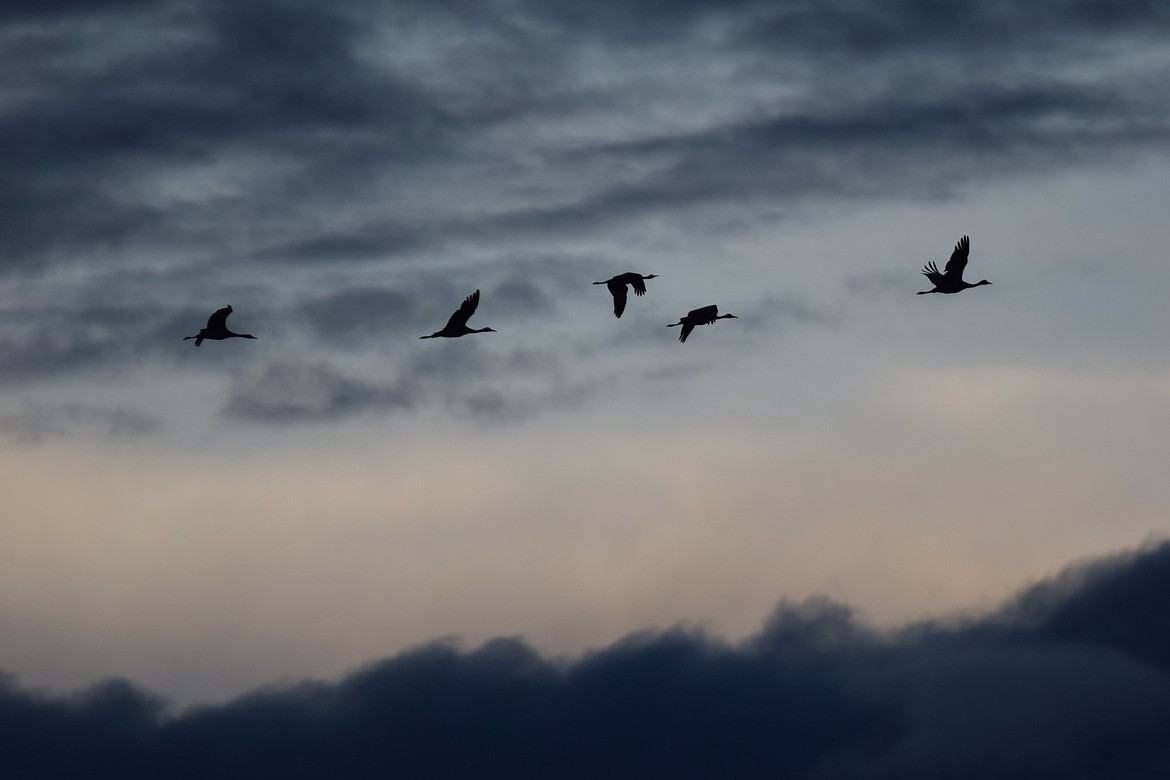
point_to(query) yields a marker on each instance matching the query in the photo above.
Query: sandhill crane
(457, 325)
(217, 328)
(704, 316)
(617, 288)
(951, 279)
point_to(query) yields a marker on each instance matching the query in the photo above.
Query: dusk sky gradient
(236, 530)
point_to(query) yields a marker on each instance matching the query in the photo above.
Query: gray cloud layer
(275, 146)
(1071, 679)
(317, 110)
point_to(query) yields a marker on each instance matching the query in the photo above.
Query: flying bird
(617, 288)
(457, 325)
(951, 279)
(704, 316)
(217, 328)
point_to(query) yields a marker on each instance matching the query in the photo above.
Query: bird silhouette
(617, 288)
(457, 325)
(217, 328)
(951, 279)
(704, 316)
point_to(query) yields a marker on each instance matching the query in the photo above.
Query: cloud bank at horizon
(1069, 679)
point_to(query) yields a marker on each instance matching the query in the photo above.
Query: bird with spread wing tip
(217, 328)
(951, 279)
(617, 288)
(703, 316)
(457, 325)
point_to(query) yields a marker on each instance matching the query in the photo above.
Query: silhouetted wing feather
(638, 283)
(463, 313)
(618, 290)
(218, 320)
(686, 331)
(958, 259)
(930, 271)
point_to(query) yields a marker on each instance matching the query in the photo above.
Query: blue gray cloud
(318, 108)
(327, 158)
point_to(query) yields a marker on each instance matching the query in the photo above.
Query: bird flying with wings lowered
(617, 288)
(217, 329)
(706, 315)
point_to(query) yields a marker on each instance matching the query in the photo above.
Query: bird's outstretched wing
(705, 315)
(931, 272)
(958, 259)
(618, 290)
(686, 331)
(218, 319)
(463, 313)
(638, 283)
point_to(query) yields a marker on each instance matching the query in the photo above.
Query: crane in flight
(703, 316)
(617, 288)
(457, 325)
(951, 279)
(217, 328)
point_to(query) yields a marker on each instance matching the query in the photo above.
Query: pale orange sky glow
(132, 561)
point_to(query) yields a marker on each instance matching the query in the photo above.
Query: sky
(202, 523)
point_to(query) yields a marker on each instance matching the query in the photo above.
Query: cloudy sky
(205, 521)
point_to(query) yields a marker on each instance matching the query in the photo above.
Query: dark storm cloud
(175, 85)
(1069, 680)
(858, 27)
(283, 86)
(858, 24)
(890, 145)
(282, 139)
(1082, 606)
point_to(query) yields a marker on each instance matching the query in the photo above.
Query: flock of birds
(949, 280)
